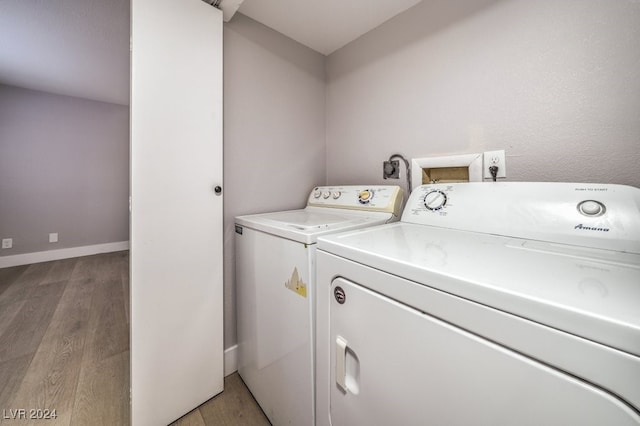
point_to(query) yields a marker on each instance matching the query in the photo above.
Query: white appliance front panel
(392, 364)
(615, 371)
(275, 298)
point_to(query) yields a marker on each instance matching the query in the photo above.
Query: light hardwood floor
(64, 346)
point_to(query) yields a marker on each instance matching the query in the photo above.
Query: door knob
(217, 189)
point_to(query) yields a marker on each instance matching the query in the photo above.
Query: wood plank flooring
(234, 406)
(64, 346)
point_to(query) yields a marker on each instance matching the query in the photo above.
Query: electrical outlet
(494, 158)
(53, 237)
(7, 243)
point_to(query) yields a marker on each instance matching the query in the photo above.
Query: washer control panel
(589, 215)
(382, 198)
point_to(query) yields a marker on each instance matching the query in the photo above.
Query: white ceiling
(81, 47)
(326, 25)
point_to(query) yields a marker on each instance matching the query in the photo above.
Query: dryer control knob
(435, 200)
(336, 194)
(317, 193)
(326, 194)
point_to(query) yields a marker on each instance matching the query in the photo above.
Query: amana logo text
(589, 228)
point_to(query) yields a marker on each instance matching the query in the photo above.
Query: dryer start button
(591, 208)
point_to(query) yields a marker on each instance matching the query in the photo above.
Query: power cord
(494, 172)
(407, 169)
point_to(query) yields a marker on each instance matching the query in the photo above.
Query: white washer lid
(305, 225)
(587, 292)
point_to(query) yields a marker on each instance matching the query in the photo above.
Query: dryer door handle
(347, 367)
(341, 361)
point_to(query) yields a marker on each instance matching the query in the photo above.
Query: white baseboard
(230, 360)
(66, 253)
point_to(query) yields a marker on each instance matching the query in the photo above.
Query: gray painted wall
(274, 140)
(554, 83)
(64, 167)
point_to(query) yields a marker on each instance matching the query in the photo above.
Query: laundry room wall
(64, 168)
(556, 84)
(274, 139)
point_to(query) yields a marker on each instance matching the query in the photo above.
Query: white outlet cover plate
(53, 238)
(494, 158)
(7, 243)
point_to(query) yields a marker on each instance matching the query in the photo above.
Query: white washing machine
(487, 304)
(275, 285)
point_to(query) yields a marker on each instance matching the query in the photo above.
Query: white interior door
(176, 216)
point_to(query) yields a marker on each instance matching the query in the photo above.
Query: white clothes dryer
(487, 304)
(275, 285)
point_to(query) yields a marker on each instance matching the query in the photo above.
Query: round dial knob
(591, 208)
(317, 193)
(435, 200)
(326, 194)
(365, 196)
(336, 195)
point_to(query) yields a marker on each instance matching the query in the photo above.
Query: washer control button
(336, 195)
(365, 196)
(591, 208)
(326, 194)
(435, 200)
(317, 193)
